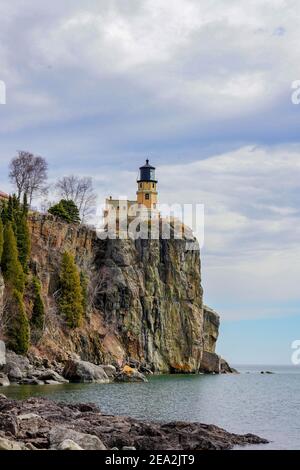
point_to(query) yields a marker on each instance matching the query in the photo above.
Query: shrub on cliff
(71, 298)
(11, 266)
(38, 308)
(66, 210)
(18, 330)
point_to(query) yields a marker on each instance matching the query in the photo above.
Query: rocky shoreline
(41, 424)
(34, 370)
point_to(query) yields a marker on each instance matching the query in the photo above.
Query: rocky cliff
(145, 299)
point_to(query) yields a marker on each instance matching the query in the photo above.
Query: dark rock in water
(266, 372)
(225, 368)
(39, 423)
(210, 363)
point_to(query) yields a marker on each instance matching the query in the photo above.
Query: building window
(153, 185)
(147, 196)
(141, 185)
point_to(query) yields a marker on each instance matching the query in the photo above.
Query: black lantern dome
(147, 173)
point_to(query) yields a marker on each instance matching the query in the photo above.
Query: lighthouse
(145, 206)
(147, 190)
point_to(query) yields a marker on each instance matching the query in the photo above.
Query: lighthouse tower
(147, 191)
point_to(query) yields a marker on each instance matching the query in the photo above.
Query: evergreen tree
(19, 332)
(15, 205)
(59, 211)
(72, 210)
(66, 210)
(38, 309)
(1, 239)
(11, 266)
(15, 250)
(23, 239)
(10, 210)
(4, 213)
(71, 299)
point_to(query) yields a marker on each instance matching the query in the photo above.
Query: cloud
(252, 224)
(188, 64)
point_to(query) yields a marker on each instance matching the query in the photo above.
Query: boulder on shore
(51, 375)
(17, 367)
(110, 370)
(84, 372)
(2, 354)
(4, 381)
(129, 374)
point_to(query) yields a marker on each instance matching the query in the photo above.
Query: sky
(204, 90)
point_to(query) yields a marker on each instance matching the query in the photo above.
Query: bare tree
(79, 190)
(18, 173)
(28, 173)
(37, 178)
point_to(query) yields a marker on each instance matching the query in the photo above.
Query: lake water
(267, 405)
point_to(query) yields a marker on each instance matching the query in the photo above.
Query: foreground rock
(39, 423)
(62, 438)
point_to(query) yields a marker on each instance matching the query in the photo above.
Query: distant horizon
(292, 366)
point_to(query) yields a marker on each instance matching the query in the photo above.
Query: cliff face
(210, 329)
(153, 299)
(145, 299)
